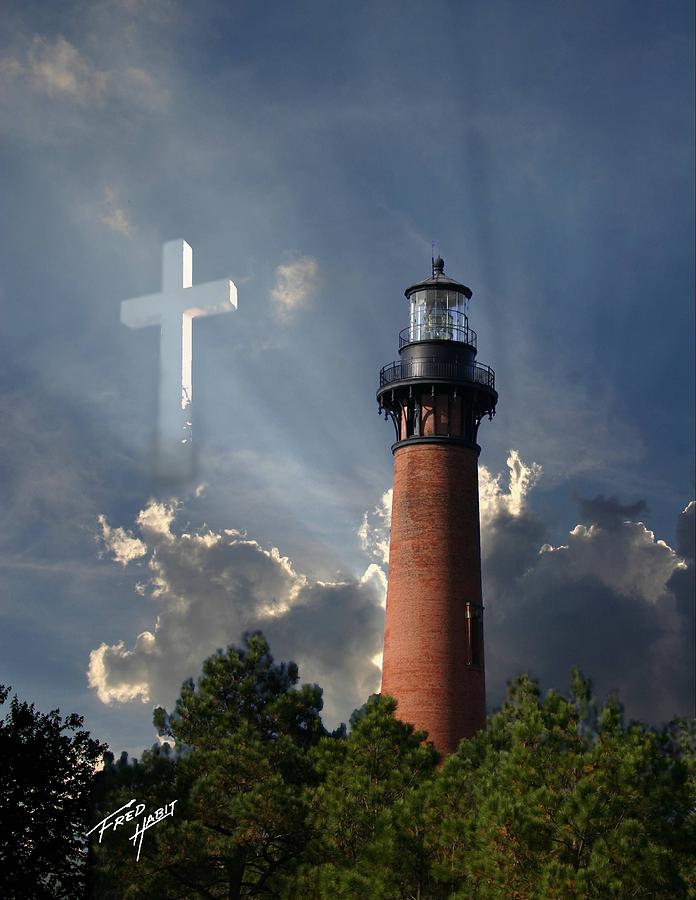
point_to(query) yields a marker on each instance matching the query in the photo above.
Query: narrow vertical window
(403, 422)
(474, 634)
(427, 415)
(416, 430)
(456, 416)
(442, 425)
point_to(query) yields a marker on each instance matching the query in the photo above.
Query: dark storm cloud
(608, 512)
(682, 584)
(336, 631)
(612, 599)
(686, 532)
(511, 548)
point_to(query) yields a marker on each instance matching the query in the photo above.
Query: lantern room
(438, 309)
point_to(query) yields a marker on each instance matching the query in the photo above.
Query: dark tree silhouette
(46, 773)
(243, 735)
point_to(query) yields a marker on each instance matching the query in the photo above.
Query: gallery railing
(428, 367)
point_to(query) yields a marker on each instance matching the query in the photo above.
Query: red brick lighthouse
(436, 395)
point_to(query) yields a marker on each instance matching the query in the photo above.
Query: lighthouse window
(456, 416)
(427, 417)
(403, 422)
(436, 314)
(474, 633)
(442, 424)
(476, 641)
(416, 418)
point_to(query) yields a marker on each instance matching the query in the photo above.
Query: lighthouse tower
(436, 395)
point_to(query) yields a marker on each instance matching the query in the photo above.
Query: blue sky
(311, 152)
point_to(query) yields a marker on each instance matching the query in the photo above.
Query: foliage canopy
(557, 798)
(46, 773)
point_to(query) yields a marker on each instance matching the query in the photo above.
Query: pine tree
(557, 799)
(242, 736)
(357, 810)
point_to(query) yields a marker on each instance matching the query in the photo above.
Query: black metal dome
(439, 279)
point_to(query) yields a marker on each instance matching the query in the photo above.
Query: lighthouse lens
(437, 314)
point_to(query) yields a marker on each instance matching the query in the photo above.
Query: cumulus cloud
(604, 600)
(123, 545)
(130, 679)
(210, 587)
(156, 519)
(113, 214)
(495, 500)
(294, 285)
(373, 532)
(611, 597)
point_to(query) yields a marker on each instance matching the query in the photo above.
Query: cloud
(611, 598)
(294, 285)
(123, 545)
(129, 679)
(605, 601)
(494, 500)
(210, 587)
(686, 532)
(682, 585)
(608, 512)
(113, 215)
(57, 68)
(156, 520)
(373, 532)
(10, 67)
(136, 82)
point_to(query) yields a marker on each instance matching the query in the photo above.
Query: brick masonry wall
(434, 569)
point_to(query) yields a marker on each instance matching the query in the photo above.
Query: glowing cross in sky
(174, 310)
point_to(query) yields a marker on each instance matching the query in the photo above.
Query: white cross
(174, 310)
